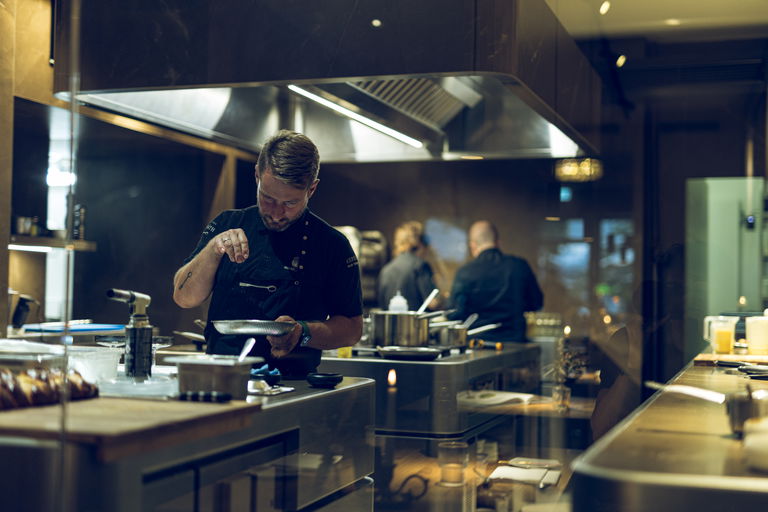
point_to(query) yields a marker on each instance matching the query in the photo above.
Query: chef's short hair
(291, 157)
(409, 236)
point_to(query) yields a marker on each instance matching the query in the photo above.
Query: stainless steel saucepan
(456, 334)
(401, 328)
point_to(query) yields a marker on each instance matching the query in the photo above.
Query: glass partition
(635, 262)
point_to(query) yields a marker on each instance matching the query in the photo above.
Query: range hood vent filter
(419, 98)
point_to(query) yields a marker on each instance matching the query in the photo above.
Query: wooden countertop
(119, 426)
(711, 359)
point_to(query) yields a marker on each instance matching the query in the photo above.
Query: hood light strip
(357, 117)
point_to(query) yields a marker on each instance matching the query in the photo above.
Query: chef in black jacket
(408, 272)
(498, 287)
(276, 260)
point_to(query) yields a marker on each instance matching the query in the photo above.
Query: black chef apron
(260, 288)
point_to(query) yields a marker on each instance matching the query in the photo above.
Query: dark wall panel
(516, 195)
(143, 209)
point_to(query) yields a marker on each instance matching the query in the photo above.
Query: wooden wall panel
(7, 57)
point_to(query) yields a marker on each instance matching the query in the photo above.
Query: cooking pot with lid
(401, 328)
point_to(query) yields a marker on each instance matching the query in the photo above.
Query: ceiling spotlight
(604, 7)
(672, 22)
(621, 60)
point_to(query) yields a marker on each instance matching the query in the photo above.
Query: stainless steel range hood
(472, 79)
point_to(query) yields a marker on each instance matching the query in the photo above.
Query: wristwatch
(305, 336)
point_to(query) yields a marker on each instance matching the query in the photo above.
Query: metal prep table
(422, 407)
(423, 401)
(306, 449)
(674, 453)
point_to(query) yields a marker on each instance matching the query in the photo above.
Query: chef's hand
(233, 243)
(282, 345)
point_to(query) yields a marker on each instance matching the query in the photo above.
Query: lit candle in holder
(391, 397)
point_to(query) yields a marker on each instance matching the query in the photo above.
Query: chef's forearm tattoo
(189, 274)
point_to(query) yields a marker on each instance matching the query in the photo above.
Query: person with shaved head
(498, 287)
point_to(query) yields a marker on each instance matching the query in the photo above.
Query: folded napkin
(525, 475)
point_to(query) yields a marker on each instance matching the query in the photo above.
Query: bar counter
(675, 452)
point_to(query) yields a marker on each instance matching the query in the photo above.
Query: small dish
(324, 380)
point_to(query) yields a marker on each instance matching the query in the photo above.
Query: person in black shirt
(276, 260)
(496, 286)
(408, 272)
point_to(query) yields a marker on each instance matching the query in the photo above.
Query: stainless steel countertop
(424, 400)
(675, 452)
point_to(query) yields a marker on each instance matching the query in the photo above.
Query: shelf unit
(59, 243)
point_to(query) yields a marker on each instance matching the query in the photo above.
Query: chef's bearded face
(281, 204)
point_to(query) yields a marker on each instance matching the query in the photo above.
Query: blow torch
(138, 333)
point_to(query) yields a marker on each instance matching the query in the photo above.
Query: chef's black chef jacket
(499, 288)
(409, 275)
(309, 272)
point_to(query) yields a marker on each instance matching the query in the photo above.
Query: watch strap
(305, 335)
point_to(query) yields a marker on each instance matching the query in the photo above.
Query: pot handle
(478, 330)
(447, 323)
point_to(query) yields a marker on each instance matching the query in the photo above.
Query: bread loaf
(41, 386)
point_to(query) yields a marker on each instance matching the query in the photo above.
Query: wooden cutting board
(122, 426)
(709, 359)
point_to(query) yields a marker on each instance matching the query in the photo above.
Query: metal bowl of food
(210, 372)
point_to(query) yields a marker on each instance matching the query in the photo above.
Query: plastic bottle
(398, 303)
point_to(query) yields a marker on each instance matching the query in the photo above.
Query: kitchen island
(423, 399)
(310, 448)
(675, 452)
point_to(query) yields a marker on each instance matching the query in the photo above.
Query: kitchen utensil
(253, 327)
(484, 328)
(753, 369)
(426, 302)
(324, 380)
(452, 336)
(249, 343)
(410, 353)
(469, 321)
(399, 328)
(209, 372)
(456, 334)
